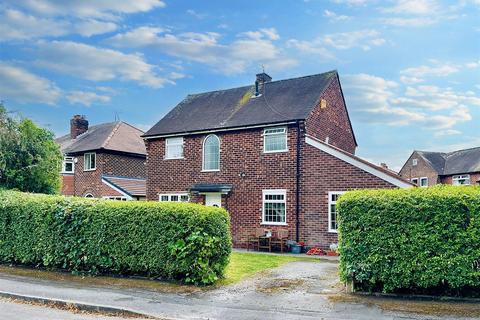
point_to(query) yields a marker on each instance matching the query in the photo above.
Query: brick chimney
(78, 125)
(261, 79)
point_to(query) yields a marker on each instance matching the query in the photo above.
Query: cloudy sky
(410, 70)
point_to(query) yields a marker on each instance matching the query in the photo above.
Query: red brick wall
(332, 121)
(422, 169)
(84, 182)
(241, 152)
(323, 173)
(68, 185)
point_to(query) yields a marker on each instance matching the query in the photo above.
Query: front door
(213, 199)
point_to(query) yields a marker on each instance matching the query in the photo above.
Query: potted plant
(333, 250)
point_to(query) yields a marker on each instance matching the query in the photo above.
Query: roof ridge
(112, 133)
(246, 86)
(132, 126)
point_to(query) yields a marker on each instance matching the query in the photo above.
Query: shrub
(182, 241)
(422, 240)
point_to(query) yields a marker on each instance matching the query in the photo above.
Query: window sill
(333, 231)
(67, 172)
(89, 169)
(179, 158)
(273, 224)
(276, 151)
(211, 170)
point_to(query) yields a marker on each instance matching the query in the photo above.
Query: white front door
(213, 199)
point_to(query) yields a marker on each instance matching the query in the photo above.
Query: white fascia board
(359, 164)
(117, 189)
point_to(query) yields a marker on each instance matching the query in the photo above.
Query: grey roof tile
(281, 101)
(456, 162)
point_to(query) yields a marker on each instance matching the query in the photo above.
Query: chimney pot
(78, 125)
(383, 165)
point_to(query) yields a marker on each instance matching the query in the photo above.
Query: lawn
(244, 264)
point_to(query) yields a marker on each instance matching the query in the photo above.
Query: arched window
(89, 195)
(211, 153)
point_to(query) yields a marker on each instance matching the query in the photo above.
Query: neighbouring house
(275, 154)
(103, 161)
(425, 168)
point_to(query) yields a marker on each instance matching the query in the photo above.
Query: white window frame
(414, 162)
(89, 196)
(420, 182)
(330, 202)
(416, 182)
(68, 160)
(116, 198)
(203, 153)
(170, 142)
(266, 134)
(456, 178)
(85, 161)
(170, 195)
(274, 192)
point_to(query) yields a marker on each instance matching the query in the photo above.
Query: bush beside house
(186, 242)
(422, 240)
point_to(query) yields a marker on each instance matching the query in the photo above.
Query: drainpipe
(297, 183)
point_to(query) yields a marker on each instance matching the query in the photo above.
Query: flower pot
(332, 253)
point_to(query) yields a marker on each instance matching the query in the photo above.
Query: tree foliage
(30, 159)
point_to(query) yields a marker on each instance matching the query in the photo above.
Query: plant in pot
(333, 250)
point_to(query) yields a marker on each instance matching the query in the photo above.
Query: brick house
(274, 154)
(103, 161)
(425, 168)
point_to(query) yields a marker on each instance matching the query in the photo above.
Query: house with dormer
(275, 154)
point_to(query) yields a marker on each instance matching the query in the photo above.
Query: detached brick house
(424, 168)
(103, 161)
(275, 154)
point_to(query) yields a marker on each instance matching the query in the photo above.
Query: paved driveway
(297, 290)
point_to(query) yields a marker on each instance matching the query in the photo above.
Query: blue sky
(410, 70)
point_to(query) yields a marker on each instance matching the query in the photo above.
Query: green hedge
(180, 241)
(419, 240)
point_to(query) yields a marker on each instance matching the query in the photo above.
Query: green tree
(30, 159)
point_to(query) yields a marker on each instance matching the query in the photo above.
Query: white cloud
(332, 16)
(352, 2)
(20, 85)
(86, 98)
(16, 25)
(311, 47)
(377, 100)
(97, 64)
(103, 9)
(448, 132)
(250, 48)
(417, 74)
(416, 7)
(410, 22)
(355, 39)
(196, 14)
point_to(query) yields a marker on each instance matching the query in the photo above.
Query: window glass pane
(211, 153)
(184, 198)
(274, 208)
(174, 197)
(174, 147)
(92, 161)
(68, 167)
(275, 139)
(164, 198)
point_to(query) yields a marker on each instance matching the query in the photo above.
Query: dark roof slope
(461, 161)
(281, 101)
(115, 136)
(131, 186)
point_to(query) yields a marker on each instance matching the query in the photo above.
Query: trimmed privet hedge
(180, 241)
(418, 240)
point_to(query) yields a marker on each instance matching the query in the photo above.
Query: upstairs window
(414, 162)
(274, 207)
(462, 179)
(332, 210)
(414, 181)
(275, 140)
(211, 153)
(68, 165)
(174, 148)
(89, 161)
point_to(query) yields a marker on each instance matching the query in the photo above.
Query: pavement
(297, 290)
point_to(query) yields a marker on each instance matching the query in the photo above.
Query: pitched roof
(460, 161)
(129, 186)
(115, 136)
(280, 101)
